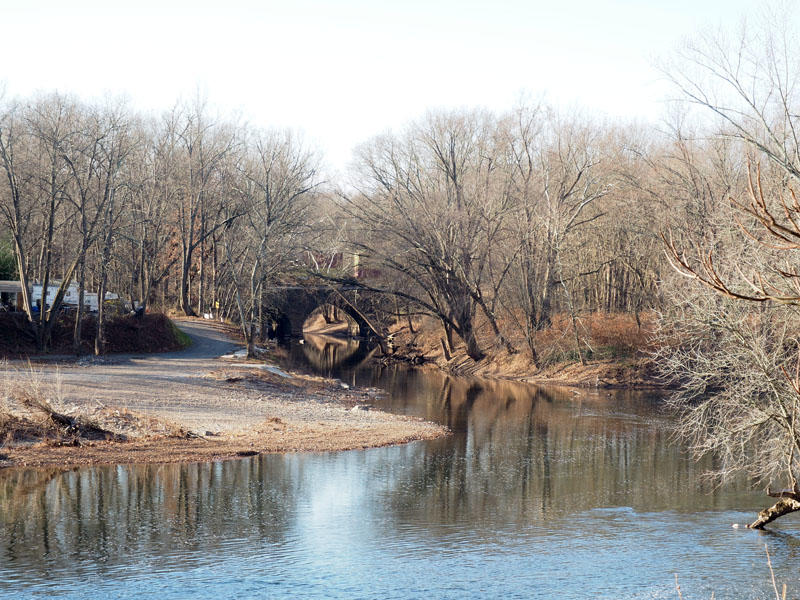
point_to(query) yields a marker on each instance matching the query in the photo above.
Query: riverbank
(619, 361)
(184, 406)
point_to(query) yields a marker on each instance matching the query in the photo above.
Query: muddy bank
(424, 345)
(327, 434)
(185, 406)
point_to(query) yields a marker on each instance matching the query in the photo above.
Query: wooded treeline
(502, 222)
(491, 223)
(481, 220)
(184, 210)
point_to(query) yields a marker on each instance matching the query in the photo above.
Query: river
(539, 493)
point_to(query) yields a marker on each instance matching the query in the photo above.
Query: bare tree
(205, 145)
(32, 139)
(748, 82)
(554, 175)
(115, 147)
(274, 182)
(742, 390)
(95, 153)
(736, 372)
(431, 209)
(145, 227)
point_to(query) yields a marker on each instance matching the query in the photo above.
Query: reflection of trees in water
(50, 518)
(326, 353)
(523, 453)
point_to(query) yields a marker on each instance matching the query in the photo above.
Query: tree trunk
(262, 336)
(448, 333)
(184, 299)
(98, 338)
(101, 294)
(544, 304)
(201, 289)
(576, 334)
(76, 337)
(251, 339)
(532, 347)
(471, 342)
(496, 329)
(445, 350)
(214, 282)
(41, 338)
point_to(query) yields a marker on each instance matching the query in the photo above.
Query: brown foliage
(605, 335)
(127, 333)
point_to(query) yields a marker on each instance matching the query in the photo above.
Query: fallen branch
(71, 425)
(784, 506)
(794, 495)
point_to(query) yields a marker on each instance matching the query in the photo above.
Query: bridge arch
(293, 306)
(330, 319)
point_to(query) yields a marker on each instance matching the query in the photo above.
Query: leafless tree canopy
(493, 224)
(165, 210)
(735, 350)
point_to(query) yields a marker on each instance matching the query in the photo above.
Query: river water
(539, 493)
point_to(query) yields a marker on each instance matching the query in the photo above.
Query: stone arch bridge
(291, 306)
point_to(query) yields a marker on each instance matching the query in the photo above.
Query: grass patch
(181, 338)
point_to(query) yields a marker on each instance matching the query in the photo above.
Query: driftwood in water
(789, 502)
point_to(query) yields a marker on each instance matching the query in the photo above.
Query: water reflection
(521, 453)
(60, 520)
(326, 353)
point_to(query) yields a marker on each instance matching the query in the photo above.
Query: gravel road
(208, 342)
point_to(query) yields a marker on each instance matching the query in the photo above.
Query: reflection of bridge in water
(328, 352)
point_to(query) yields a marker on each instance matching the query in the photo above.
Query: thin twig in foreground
(772, 574)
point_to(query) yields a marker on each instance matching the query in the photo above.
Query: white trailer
(71, 296)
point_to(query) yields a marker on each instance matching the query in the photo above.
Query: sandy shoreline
(194, 406)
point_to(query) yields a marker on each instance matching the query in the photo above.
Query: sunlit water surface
(540, 493)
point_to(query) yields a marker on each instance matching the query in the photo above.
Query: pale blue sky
(342, 71)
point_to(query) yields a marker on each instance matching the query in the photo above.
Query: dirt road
(232, 408)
